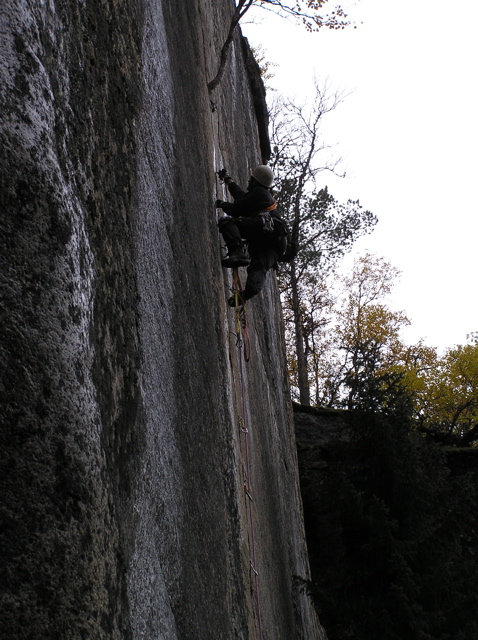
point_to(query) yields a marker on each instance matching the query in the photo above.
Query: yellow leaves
(447, 400)
(306, 11)
(354, 348)
(364, 320)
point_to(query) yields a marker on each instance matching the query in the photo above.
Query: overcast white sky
(409, 136)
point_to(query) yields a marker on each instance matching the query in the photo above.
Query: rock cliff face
(124, 397)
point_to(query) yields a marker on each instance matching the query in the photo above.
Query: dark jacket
(247, 203)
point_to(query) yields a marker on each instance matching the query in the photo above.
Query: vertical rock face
(125, 402)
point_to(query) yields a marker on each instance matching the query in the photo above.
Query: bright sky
(408, 133)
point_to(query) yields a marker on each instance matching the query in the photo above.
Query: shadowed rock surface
(123, 511)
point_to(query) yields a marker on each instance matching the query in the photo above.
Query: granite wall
(124, 396)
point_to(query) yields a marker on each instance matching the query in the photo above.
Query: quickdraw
(242, 329)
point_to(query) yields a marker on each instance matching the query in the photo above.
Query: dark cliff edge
(123, 510)
(350, 462)
(259, 100)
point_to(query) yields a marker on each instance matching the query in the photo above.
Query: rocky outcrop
(318, 425)
(124, 398)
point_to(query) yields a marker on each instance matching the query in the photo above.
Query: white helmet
(263, 174)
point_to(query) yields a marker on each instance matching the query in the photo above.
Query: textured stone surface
(123, 462)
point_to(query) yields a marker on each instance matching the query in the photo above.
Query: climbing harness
(267, 221)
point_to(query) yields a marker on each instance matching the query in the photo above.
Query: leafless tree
(307, 11)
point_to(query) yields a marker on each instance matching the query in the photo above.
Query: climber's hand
(222, 173)
(219, 204)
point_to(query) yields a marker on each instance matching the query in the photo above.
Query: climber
(251, 218)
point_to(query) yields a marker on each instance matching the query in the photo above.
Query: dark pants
(262, 255)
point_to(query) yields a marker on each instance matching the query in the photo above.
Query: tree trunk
(303, 378)
(239, 12)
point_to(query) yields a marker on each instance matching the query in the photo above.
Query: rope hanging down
(242, 328)
(243, 338)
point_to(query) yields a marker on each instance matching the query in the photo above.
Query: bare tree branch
(312, 22)
(242, 7)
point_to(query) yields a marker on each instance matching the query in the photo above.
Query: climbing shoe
(240, 300)
(236, 258)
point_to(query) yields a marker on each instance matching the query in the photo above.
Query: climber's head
(263, 175)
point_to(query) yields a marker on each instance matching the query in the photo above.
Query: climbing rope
(249, 498)
(242, 340)
(244, 350)
(242, 328)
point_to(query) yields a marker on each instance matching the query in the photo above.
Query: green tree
(390, 529)
(358, 346)
(361, 358)
(367, 331)
(388, 532)
(323, 228)
(447, 400)
(361, 346)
